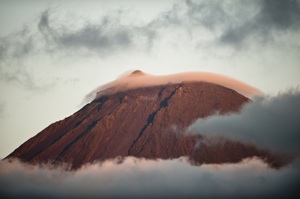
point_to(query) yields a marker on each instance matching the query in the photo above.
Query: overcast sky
(53, 53)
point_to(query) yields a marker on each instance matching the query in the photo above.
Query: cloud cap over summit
(138, 79)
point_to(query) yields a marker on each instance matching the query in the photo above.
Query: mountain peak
(139, 79)
(146, 122)
(136, 73)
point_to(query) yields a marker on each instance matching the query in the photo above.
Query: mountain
(146, 122)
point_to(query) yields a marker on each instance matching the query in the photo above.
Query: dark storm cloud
(140, 178)
(268, 122)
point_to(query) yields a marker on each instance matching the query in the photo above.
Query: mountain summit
(143, 122)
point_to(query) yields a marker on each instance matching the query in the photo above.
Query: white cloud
(134, 177)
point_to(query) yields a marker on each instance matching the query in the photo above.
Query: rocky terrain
(144, 122)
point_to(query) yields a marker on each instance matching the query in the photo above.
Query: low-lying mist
(136, 178)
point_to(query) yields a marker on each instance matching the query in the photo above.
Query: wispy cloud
(134, 177)
(2, 108)
(230, 23)
(205, 24)
(268, 122)
(24, 78)
(271, 18)
(104, 38)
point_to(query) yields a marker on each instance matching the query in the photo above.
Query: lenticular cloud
(138, 79)
(133, 177)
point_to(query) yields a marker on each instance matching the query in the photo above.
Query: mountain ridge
(141, 122)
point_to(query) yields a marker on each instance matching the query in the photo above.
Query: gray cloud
(134, 177)
(268, 122)
(14, 50)
(2, 108)
(21, 77)
(237, 23)
(271, 17)
(232, 23)
(106, 37)
(2, 49)
(280, 14)
(17, 45)
(209, 14)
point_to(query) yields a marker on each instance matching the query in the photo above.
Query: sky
(54, 53)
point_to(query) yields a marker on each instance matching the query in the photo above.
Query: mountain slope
(144, 122)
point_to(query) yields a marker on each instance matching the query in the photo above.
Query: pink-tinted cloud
(139, 79)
